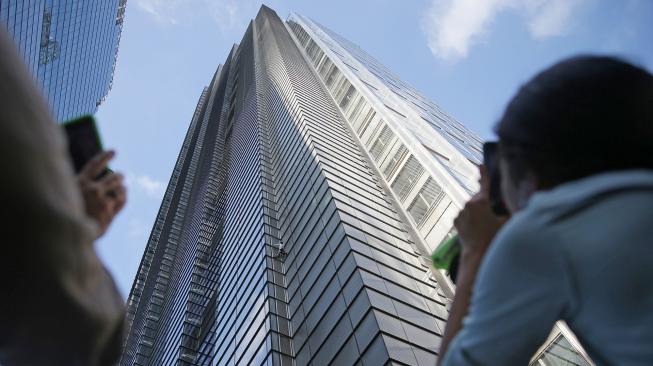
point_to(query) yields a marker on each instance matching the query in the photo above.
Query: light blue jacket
(582, 253)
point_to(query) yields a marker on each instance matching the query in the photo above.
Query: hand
(476, 223)
(105, 197)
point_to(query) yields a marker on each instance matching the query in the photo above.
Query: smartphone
(83, 142)
(490, 160)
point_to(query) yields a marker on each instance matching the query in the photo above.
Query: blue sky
(469, 56)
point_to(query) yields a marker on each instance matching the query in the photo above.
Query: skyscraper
(70, 46)
(310, 187)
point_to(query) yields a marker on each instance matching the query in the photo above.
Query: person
(59, 306)
(576, 165)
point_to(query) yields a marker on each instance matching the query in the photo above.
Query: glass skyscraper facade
(70, 46)
(310, 189)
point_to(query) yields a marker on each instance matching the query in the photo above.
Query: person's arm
(469, 263)
(477, 226)
(521, 289)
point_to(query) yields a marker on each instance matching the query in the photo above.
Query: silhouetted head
(582, 116)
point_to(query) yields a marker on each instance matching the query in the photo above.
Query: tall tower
(70, 46)
(310, 187)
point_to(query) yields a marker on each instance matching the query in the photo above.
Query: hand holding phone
(103, 197)
(103, 191)
(476, 223)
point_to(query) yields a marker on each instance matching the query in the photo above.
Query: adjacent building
(311, 187)
(70, 46)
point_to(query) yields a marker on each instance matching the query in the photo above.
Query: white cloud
(145, 184)
(165, 11)
(550, 18)
(228, 15)
(150, 186)
(452, 27)
(232, 14)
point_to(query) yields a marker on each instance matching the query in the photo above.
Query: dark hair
(582, 116)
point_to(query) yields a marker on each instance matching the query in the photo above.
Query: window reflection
(560, 353)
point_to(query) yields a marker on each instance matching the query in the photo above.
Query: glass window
(313, 50)
(407, 177)
(427, 198)
(366, 122)
(381, 143)
(355, 112)
(331, 77)
(320, 60)
(347, 97)
(397, 158)
(342, 89)
(325, 66)
(560, 353)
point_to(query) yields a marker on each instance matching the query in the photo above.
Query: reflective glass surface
(276, 243)
(70, 46)
(560, 353)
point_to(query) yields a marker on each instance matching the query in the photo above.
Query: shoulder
(528, 255)
(528, 235)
